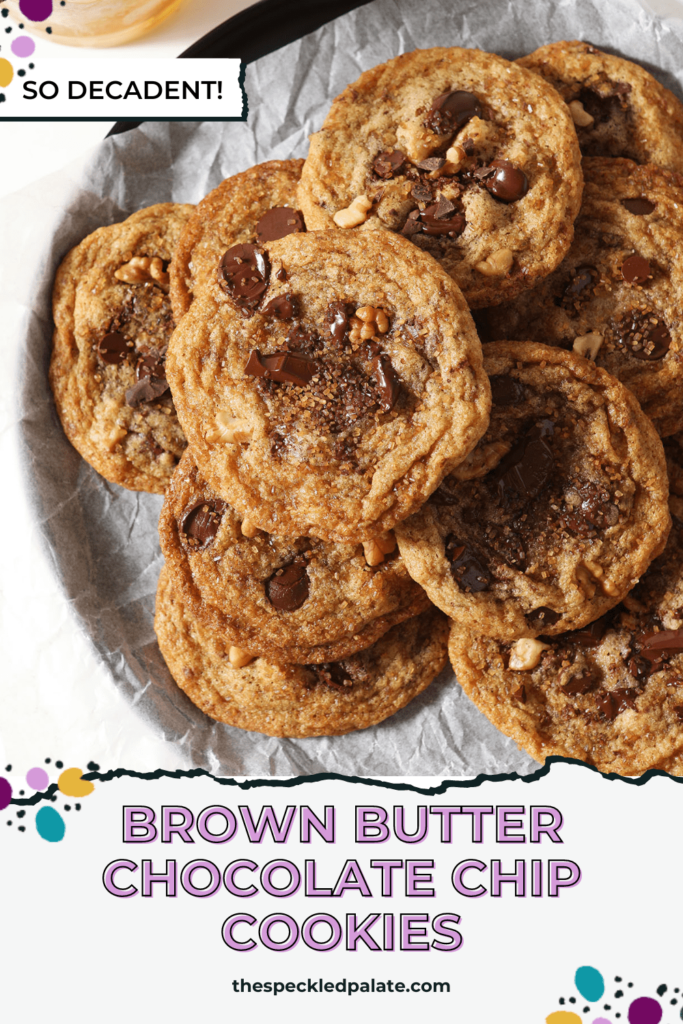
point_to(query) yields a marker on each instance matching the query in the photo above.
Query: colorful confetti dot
(601, 1020)
(5, 793)
(36, 10)
(71, 783)
(6, 72)
(644, 1011)
(563, 1017)
(37, 778)
(590, 983)
(50, 824)
(23, 46)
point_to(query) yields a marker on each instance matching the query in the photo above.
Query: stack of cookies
(358, 466)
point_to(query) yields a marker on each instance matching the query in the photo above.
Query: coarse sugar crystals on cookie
(471, 157)
(256, 205)
(327, 699)
(328, 382)
(610, 694)
(617, 297)
(113, 322)
(299, 600)
(618, 108)
(556, 513)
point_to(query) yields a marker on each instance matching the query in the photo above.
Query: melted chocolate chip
(595, 511)
(282, 306)
(150, 365)
(578, 685)
(112, 349)
(151, 382)
(338, 317)
(655, 646)
(542, 616)
(506, 390)
(507, 183)
(332, 674)
(284, 368)
(421, 192)
(639, 206)
(388, 383)
(281, 274)
(678, 711)
(432, 163)
(243, 273)
(644, 334)
(278, 222)
(589, 636)
(584, 279)
(200, 523)
(525, 470)
(467, 569)
(635, 270)
(441, 218)
(287, 589)
(451, 111)
(389, 163)
(520, 694)
(612, 704)
(641, 669)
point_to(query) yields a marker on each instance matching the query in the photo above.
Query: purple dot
(23, 46)
(37, 778)
(36, 10)
(5, 793)
(644, 1011)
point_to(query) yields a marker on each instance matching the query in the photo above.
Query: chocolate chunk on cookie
(327, 699)
(617, 297)
(254, 207)
(610, 694)
(558, 510)
(113, 323)
(618, 108)
(340, 420)
(474, 159)
(298, 600)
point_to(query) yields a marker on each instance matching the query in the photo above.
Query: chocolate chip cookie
(472, 158)
(618, 108)
(328, 382)
(558, 510)
(617, 297)
(610, 694)
(258, 205)
(113, 322)
(290, 600)
(326, 699)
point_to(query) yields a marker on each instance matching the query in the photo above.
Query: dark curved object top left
(261, 29)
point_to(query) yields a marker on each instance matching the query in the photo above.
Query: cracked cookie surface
(243, 208)
(622, 110)
(113, 322)
(330, 383)
(328, 699)
(558, 510)
(474, 158)
(618, 294)
(610, 694)
(293, 601)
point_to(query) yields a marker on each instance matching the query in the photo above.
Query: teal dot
(50, 824)
(590, 983)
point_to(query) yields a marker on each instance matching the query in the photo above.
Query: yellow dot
(6, 72)
(563, 1017)
(71, 784)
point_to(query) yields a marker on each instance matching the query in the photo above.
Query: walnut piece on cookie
(568, 513)
(353, 368)
(471, 157)
(113, 322)
(327, 699)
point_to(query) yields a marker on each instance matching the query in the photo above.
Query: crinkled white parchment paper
(102, 540)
